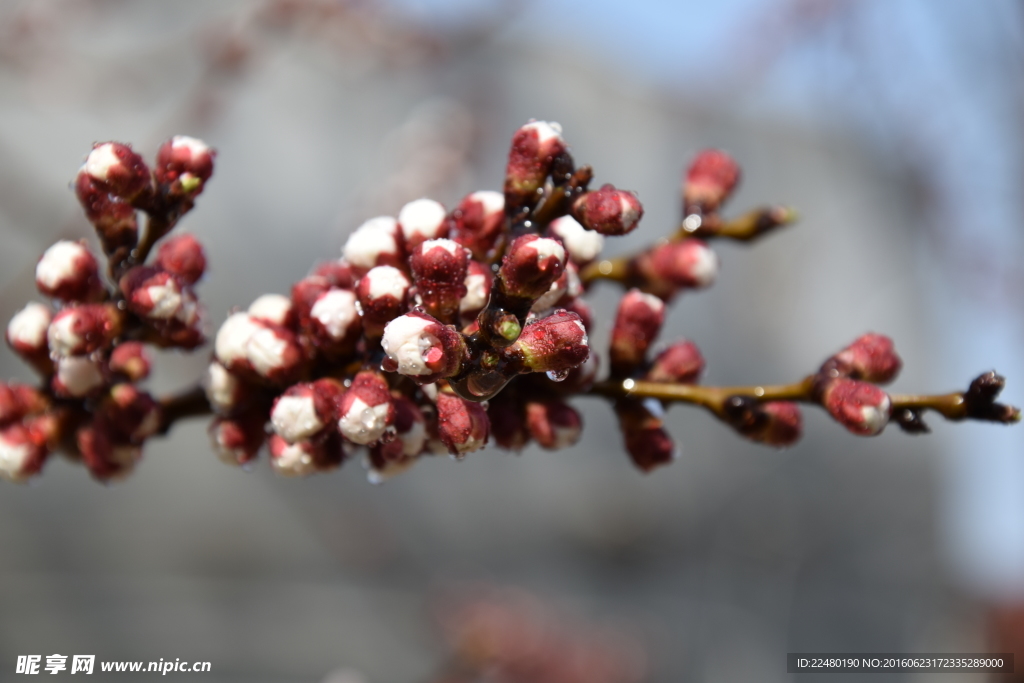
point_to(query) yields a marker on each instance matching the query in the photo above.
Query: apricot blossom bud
(646, 441)
(556, 343)
(132, 414)
(275, 309)
(608, 211)
(508, 423)
(273, 353)
(68, 271)
(237, 441)
(377, 242)
(115, 167)
(861, 407)
(305, 292)
(383, 295)
(637, 323)
(690, 263)
(334, 320)
(183, 256)
(681, 362)
(105, 458)
(478, 221)
(156, 294)
(303, 458)
(871, 358)
(184, 164)
(478, 289)
(583, 245)
(422, 348)
(534, 148)
(77, 376)
(21, 456)
(439, 269)
(530, 266)
(421, 220)
(338, 273)
(462, 425)
(80, 330)
(27, 331)
(131, 360)
(304, 410)
(115, 220)
(710, 179)
(784, 424)
(366, 411)
(553, 424)
(224, 390)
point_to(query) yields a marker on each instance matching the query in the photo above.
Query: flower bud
(21, 456)
(366, 411)
(690, 263)
(132, 415)
(118, 169)
(273, 353)
(183, 165)
(462, 425)
(439, 269)
(68, 271)
(478, 222)
(334, 321)
(637, 323)
(530, 265)
(583, 245)
(115, 220)
(860, 407)
(225, 391)
(27, 331)
(391, 458)
(784, 425)
(553, 344)
(10, 407)
(710, 179)
(232, 338)
(183, 256)
(77, 376)
(105, 459)
(305, 292)
(646, 441)
(478, 290)
(156, 294)
(681, 362)
(374, 243)
(303, 458)
(565, 288)
(304, 410)
(80, 330)
(131, 360)
(583, 310)
(608, 211)
(534, 148)
(422, 220)
(275, 309)
(237, 441)
(871, 358)
(422, 348)
(553, 424)
(383, 295)
(338, 273)
(508, 423)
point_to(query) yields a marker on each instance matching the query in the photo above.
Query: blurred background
(893, 126)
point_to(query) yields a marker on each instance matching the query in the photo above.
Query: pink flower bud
(106, 459)
(338, 273)
(80, 330)
(422, 348)
(682, 362)
(608, 211)
(303, 458)
(115, 220)
(784, 424)
(553, 424)
(131, 414)
(478, 290)
(304, 410)
(377, 242)
(366, 411)
(646, 441)
(422, 220)
(21, 456)
(232, 338)
(184, 164)
(439, 268)
(305, 292)
(860, 407)
(334, 321)
(237, 441)
(183, 256)
(26, 333)
(583, 245)
(68, 271)
(156, 294)
(383, 295)
(226, 391)
(690, 263)
(871, 358)
(508, 423)
(553, 344)
(131, 360)
(391, 458)
(462, 425)
(711, 178)
(117, 168)
(274, 354)
(78, 376)
(534, 148)
(530, 265)
(637, 323)
(275, 309)
(478, 222)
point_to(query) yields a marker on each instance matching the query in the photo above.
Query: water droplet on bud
(558, 375)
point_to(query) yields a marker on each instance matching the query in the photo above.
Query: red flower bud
(303, 458)
(183, 256)
(383, 295)
(237, 441)
(637, 323)
(115, 221)
(68, 271)
(478, 221)
(249, 345)
(531, 265)
(478, 282)
(860, 407)
(118, 169)
(439, 269)
(80, 330)
(647, 442)
(422, 220)
(305, 292)
(132, 415)
(583, 245)
(11, 409)
(226, 391)
(784, 425)
(78, 376)
(275, 309)
(27, 331)
(422, 348)
(184, 164)
(391, 458)
(608, 211)
(711, 178)
(556, 343)
(334, 321)
(682, 362)
(106, 459)
(508, 423)
(21, 456)
(377, 242)
(553, 424)
(462, 425)
(338, 273)
(305, 410)
(690, 263)
(158, 295)
(131, 360)
(366, 411)
(562, 291)
(534, 148)
(871, 358)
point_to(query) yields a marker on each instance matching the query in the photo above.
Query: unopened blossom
(508, 422)
(383, 295)
(377, 242)
(183, 256)
(637, 323)
(583, 245)
(224, 389)
(681, 362)
(115, 220)
(334, 320)
(421, 220)
(462, 425)
(871, 358)
(250, 345)
(608, 211)
(132, 414)
(530, 266)
(115, 167)
(366, 411)
(478, 222)
(387, 459)
(68, 271)
(306, 409)
(553, 424)
(687, 264)
(79, 330)
(183, 165)
(422, 348)
(131, 360)
(78, 376)
(105, 458)
(439, 269)
(710, 179)
(21, 456)
(478, 289)
(27, 330)
(303, 458)
(644, 435)
(783, 425)
(861, 407)
(556, 343)
(337, 272)
(237, 441)
(275, 309)
(306, 291)
(534, 149)
(158, 294)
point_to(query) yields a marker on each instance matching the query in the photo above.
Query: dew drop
(558, 375)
